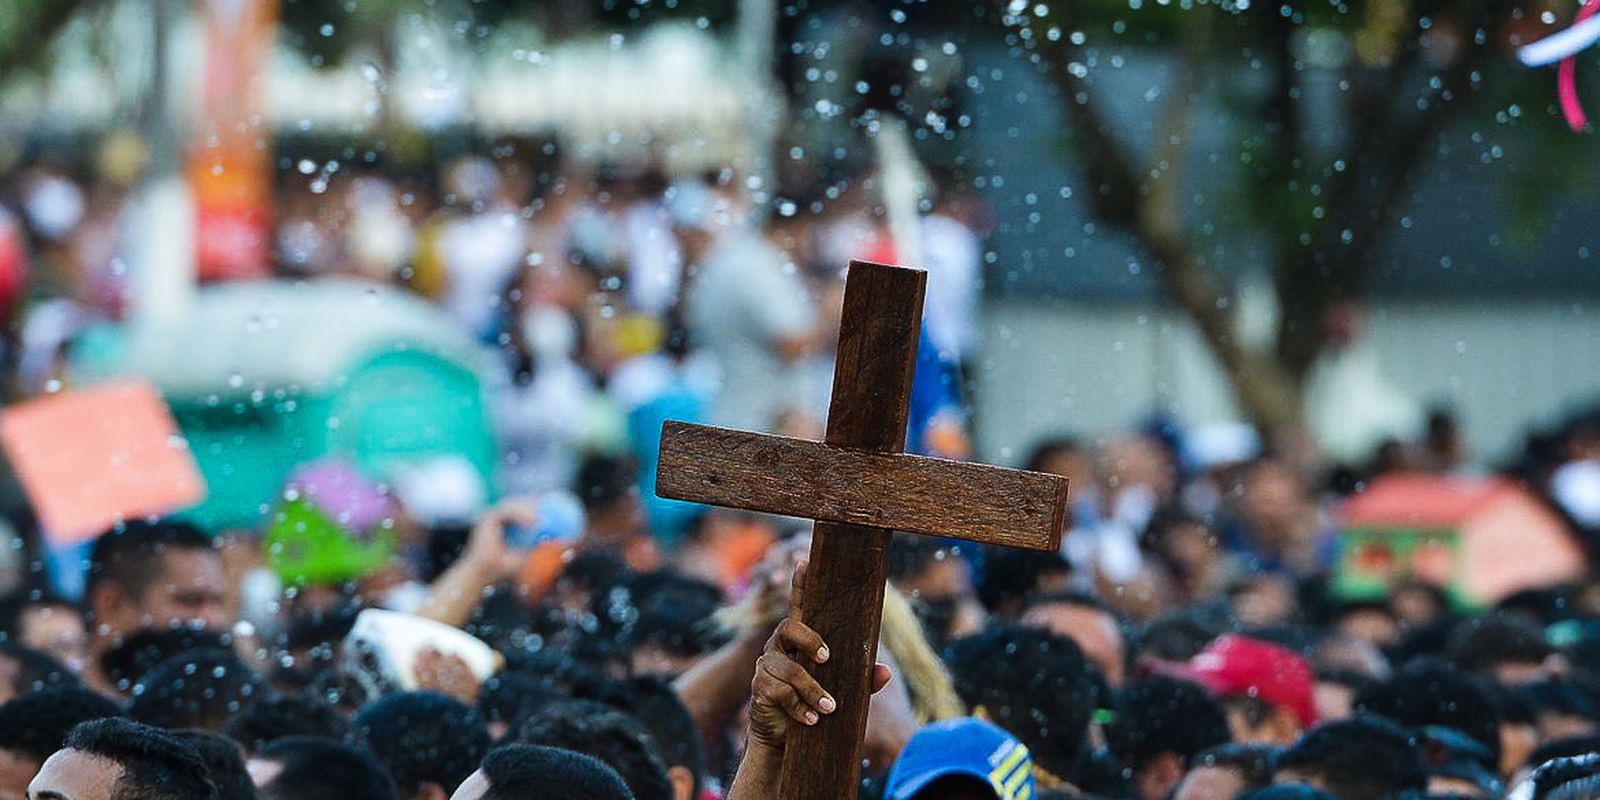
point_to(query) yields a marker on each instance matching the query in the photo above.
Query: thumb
(881, 675)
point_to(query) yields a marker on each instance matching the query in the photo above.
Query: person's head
(1267, 690)
(47, 623)
(1086, 621)
(161, 574)
(1562, 708)
(607, 734)
(961, 759)
(35, 725)
(125, 663)
(224, 763)
(1165, 724)
(24, 669)
(312, 768)
(1033, 683)
(117, 759)
(1009, 576)
(509, 697)
(654, 704)
(1434, 694)
(1361, 758)
(430, 743)
(610, 494)
(1336, 692)
(1227, 770)
(671, 629)
(532, 772)
(279, 715)
(1509, 648)
(198, 689)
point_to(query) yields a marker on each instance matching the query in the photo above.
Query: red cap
(1234, 665)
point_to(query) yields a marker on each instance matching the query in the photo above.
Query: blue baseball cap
(962, 746)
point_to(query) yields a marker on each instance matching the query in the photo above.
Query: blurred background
(1355, 234)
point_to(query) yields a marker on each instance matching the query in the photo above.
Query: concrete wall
(1092, 367)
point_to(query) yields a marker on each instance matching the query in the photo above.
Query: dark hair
(36, 670)
(282, 714)
(511, 697)
(1290, 791)
(910, 554)
(423, 737)
(1007, 576)
(36, 724)
(1253, 762)
(1360, 758)
(1166, 715)
(1432, 693)
(603, 480)
(533, 772)
(1180, 634)
(198, 689)
(14, 605)
(129, 660)
(673, 612)
(1046, 449)
(1574, 778)
(1565, 747)
(1564, 697)
(1033, 683)
(155, 766)
(586, 726)
(314, 768)
(653, 703)
(224, 763)
(1481, 643)
(130, 554)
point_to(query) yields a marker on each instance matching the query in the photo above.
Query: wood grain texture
(843, 595)
(800, 478)
(859, 487)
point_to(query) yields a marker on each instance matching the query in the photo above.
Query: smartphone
(560, 518)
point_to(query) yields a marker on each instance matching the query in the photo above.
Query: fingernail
(811, 717)
(826, 704)
(822, 653)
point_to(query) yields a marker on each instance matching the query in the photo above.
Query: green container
(264, 376)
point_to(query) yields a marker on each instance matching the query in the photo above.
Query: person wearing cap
(1268, 691)
(961, 759)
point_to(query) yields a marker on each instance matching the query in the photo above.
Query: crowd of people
(1186, 642)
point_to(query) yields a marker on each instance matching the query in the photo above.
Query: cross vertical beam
(843, 601)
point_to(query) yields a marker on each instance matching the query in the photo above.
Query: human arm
(486, 561)
(783, 692)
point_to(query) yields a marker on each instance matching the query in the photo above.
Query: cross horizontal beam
(800, 478)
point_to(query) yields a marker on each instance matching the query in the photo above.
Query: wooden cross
(859, 488)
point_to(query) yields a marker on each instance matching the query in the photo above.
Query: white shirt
(744, 298)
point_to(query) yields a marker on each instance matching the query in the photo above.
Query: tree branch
(1149, 208)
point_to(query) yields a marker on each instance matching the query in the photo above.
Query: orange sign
(91, 457)
(230, 162)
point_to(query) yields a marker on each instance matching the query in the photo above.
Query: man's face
(15, 772)
(188, 591)
(1205, 783)
(74, 775)
(473, 788)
